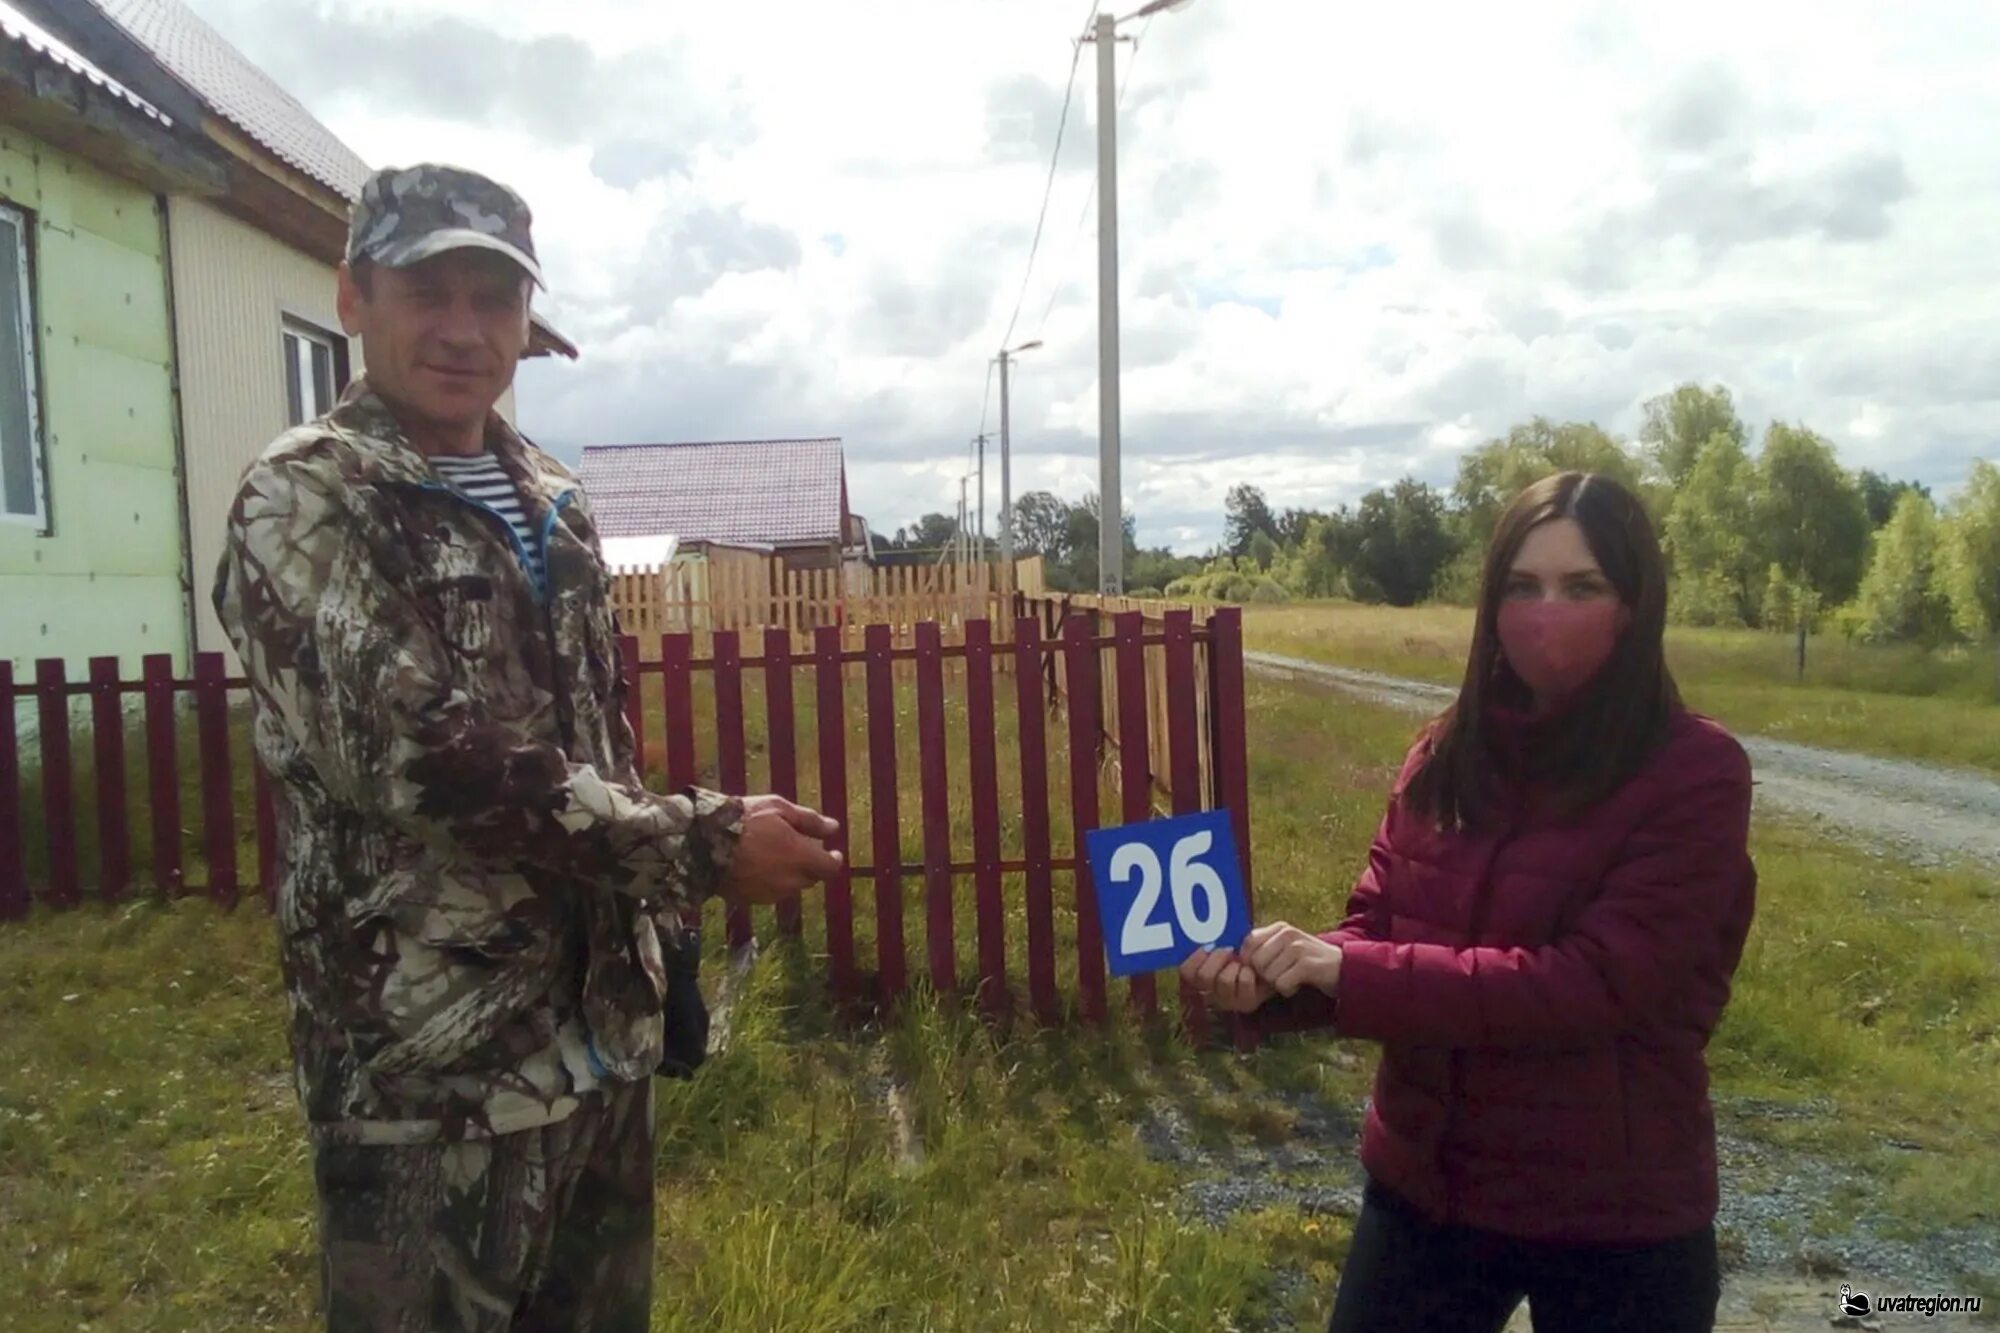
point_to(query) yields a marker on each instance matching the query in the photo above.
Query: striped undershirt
(481, 478)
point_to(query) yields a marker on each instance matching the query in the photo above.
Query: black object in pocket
(685, 1011)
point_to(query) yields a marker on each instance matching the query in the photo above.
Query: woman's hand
(1286, 958)
(1225, 980)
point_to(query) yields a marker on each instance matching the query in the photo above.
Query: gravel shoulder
(1929, 814)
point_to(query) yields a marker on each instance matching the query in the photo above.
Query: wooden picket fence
(1150, 712)
(730, 589)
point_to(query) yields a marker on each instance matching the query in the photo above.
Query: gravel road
(1928, 814)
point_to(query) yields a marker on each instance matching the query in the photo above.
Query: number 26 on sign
(1167, 888)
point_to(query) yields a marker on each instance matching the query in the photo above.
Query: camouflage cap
(407, 214)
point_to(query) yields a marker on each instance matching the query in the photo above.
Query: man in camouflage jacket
(474, 877)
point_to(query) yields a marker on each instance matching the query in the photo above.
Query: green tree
(1294, 524)
(929, 532)
(1902, 596)
(1812, 522)
(1712, 537)
(1811, 514)
(1392, 547)
(1972, 553)
(1679, 425)
(1245, 513)
(1492, 475)
(1879, 495)
(1263, 550)
(1041, 526)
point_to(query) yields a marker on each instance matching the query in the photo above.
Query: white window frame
(21, 221)
(307, 336)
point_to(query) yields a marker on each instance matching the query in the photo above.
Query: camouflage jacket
(473, 876)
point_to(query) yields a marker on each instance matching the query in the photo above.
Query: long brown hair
(1605, 735)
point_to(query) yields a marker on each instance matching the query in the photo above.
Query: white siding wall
(234, 287)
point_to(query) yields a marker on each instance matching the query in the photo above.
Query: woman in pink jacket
(1543, 941)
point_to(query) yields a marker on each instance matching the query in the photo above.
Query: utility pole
(981, 529)
(1007, 355)
(1110, 504)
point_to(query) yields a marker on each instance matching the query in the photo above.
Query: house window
(22, 496)
(315, 371)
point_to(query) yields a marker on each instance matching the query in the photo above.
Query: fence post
(829, 678)
(58, 786)
(163, 774)
(1232, 752)
(982, 753)
(1080, 663)
(114, 839)
(1135, 757)
(884, 814)
(13, 863)
(729, 749)
(934, 775)
(1032, 706)
(780, 719)
(218, 802)
(1184, 759)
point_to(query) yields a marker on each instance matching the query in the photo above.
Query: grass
(153, 1173)
(1898, 701)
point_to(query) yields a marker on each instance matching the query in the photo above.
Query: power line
(1090, 196)
(1048, 187)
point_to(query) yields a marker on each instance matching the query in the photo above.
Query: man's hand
(781, 851)
(1227, 982)
(1286, 958)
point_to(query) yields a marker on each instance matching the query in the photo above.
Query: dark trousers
(1405, 1272)
(544, 1231)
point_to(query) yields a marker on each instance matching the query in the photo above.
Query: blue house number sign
(1167, 888)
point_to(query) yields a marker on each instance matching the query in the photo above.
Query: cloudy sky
(1355, 238)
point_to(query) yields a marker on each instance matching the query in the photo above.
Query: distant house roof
(754, 492)
(20, 28)
(236, 90)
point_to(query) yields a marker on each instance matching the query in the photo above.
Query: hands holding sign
(1170, 892)
(1278, 959)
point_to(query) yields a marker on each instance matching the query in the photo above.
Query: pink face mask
(1557, 647)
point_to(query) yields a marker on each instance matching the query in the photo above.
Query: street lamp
(1006, 461)
(1110, 500)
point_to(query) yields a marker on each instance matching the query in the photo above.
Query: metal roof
(20, 28)
(761, 492)
(236, 90)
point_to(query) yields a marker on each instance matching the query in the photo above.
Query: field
(1902, 702)
(935, 1174)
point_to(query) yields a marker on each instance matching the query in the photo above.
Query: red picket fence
(1059, 764)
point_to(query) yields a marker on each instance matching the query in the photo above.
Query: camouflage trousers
(545, 1229)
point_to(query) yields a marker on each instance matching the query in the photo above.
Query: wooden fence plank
(114, 834)
(1080, 660)
(1135, 776)
(218, 799)
(934, 776)
(982, 752)
(729, 749)
(780, 724)
(13, 861)
(163, 775)
(1185, 760)
(829, 678)
(1030, 702)
(58, 788)
(884, 815)
(1232, 750)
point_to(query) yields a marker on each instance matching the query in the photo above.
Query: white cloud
(1354, 240)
